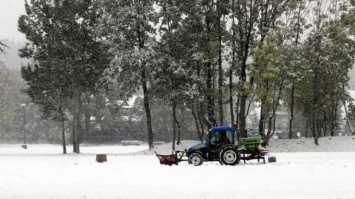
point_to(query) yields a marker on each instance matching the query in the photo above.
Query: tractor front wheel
(196, 159)
(230, 157)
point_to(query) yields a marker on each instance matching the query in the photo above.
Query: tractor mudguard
(195, 148)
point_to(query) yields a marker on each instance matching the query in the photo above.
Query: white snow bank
(326, 144)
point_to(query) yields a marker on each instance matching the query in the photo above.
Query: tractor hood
(197, 147)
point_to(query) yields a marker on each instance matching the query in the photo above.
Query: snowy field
(42, 171)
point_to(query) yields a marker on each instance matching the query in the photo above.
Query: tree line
(210, 58)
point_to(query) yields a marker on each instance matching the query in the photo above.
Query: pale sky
(10, 10)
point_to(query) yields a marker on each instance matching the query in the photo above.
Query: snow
(302, 170)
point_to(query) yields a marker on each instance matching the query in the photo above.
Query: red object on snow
(170, 159)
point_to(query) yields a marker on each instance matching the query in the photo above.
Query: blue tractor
(219, 146)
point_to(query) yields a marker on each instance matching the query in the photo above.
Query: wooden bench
(250, 149)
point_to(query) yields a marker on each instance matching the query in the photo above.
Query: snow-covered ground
(301, 171)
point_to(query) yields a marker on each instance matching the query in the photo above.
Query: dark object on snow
(24, 146)
(272, 159)
(101, 158)
(171, 159)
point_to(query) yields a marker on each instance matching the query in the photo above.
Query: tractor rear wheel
(230, 157)
(196, 159)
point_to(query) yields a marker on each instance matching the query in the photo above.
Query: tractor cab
(220, 136)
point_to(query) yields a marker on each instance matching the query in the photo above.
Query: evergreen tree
(254, 21)
(222, 10)
(68, 57)
(268, 25)
(328, 62)
(203, 19)
(296, 25)
(127, 27)
(171, 76)
(247, 14)
(270, 81)
(328, 55)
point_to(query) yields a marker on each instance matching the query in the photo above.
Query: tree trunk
(313, 129)
(243, 100)
(316, 130)
(79, 120)
(316, 133)
(264, 112)
(74, 134)
(306, 131)
(63, 135)
(199, 108)
(73, 130)
(325, 126)
(247, 13)
(273, 125)
(315, 103)
(210, 75)
(174, 125)
(200, 113)
(77, 114)
(333, 123)
(261, 122)
(210, 103)
(86, 133)
(316, 141)
(147, 109)
(199, 133)
(269, 129)
(231, 69)
(179, 130)
(291, 110)
(275, 106)
(237, 108)
(231, 109)
(347, 118)
(293, 83)
(220, 94)
(242, 118)
(220, 73)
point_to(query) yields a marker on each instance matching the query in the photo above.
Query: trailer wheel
(196, 159)
(230, 157)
